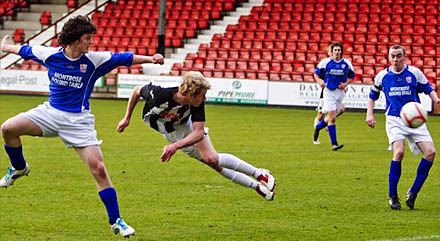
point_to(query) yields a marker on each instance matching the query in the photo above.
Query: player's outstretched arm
(141, 59)
(371, 121)
(9, 48)
(191, 139)
(434, 97)
(134, 98)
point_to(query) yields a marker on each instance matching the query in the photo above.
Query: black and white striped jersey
(163, 114)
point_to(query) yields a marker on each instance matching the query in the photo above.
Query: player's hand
(342, 86)
(167, 152)
(4, 42)
(321, 83)
(122, 124)
(371, 121)
(158, 59)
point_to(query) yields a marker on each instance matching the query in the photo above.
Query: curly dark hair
(74, 28)
(337, 44)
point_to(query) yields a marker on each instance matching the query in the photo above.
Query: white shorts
(320, 106)
(333, 99)
(75, 129)
(181, 132)
(397, 131)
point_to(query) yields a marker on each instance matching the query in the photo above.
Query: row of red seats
(150, 24)
(9, 8)
(329, 27)
(150, 50)
(350, 7)
(145, 32)
(340, 17)
(373, 28)
(319, 46)
(147, 15)
(309, 62)
(418, 2)
(363, 75)
(240, 74)
(29, 65)
(153, 5)
(369, 37)
(279, 56)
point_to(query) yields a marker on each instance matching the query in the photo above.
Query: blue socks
(422, 174)
(108, 197)
(332, 133)
(16, 157)
(394, 176)
(321, 125)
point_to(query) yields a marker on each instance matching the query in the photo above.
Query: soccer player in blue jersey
(320, 112)
(72, 71)
(333, 74)
(401, 84)
(178, 113)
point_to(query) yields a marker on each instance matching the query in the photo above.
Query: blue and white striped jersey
(72, 80)
(333, 73)
(400, 88)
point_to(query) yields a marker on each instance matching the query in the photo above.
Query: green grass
(321, 194)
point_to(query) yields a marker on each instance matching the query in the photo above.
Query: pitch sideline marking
(412, 239)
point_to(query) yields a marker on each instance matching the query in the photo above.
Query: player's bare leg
(12, 129)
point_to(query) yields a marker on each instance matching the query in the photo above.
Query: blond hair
(193, 83)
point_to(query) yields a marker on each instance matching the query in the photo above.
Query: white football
(413, 114)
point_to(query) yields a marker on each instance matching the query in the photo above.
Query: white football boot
(12, 175)
(267, 179)
(121, 227)
(264, 192)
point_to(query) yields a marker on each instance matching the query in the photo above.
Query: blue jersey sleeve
(26, 53)
(377, 87)
(115, 60)
(350, 74)
(374, 95)
(424, 88)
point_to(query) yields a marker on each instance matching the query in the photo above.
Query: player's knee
(210, 159)
(398, 155)
(430, 154)
(97, 168)
(7, 130)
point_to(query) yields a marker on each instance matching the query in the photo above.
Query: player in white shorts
(333, 74)
(72, 71)
(401, 84)
(320, 107)
(179, 114)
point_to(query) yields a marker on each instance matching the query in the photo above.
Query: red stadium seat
(18, 36)
(46, 18)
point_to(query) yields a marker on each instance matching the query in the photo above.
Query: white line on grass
(412, 239)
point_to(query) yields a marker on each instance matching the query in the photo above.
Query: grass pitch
(321, 194)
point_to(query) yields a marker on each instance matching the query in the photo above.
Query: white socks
(235, 163)
(239, 178)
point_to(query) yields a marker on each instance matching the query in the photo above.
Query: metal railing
(56, 24)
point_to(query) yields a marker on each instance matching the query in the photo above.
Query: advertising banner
(307, 94)
(18, 80)
(222, 90)
(240, 91)
(126, 82)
